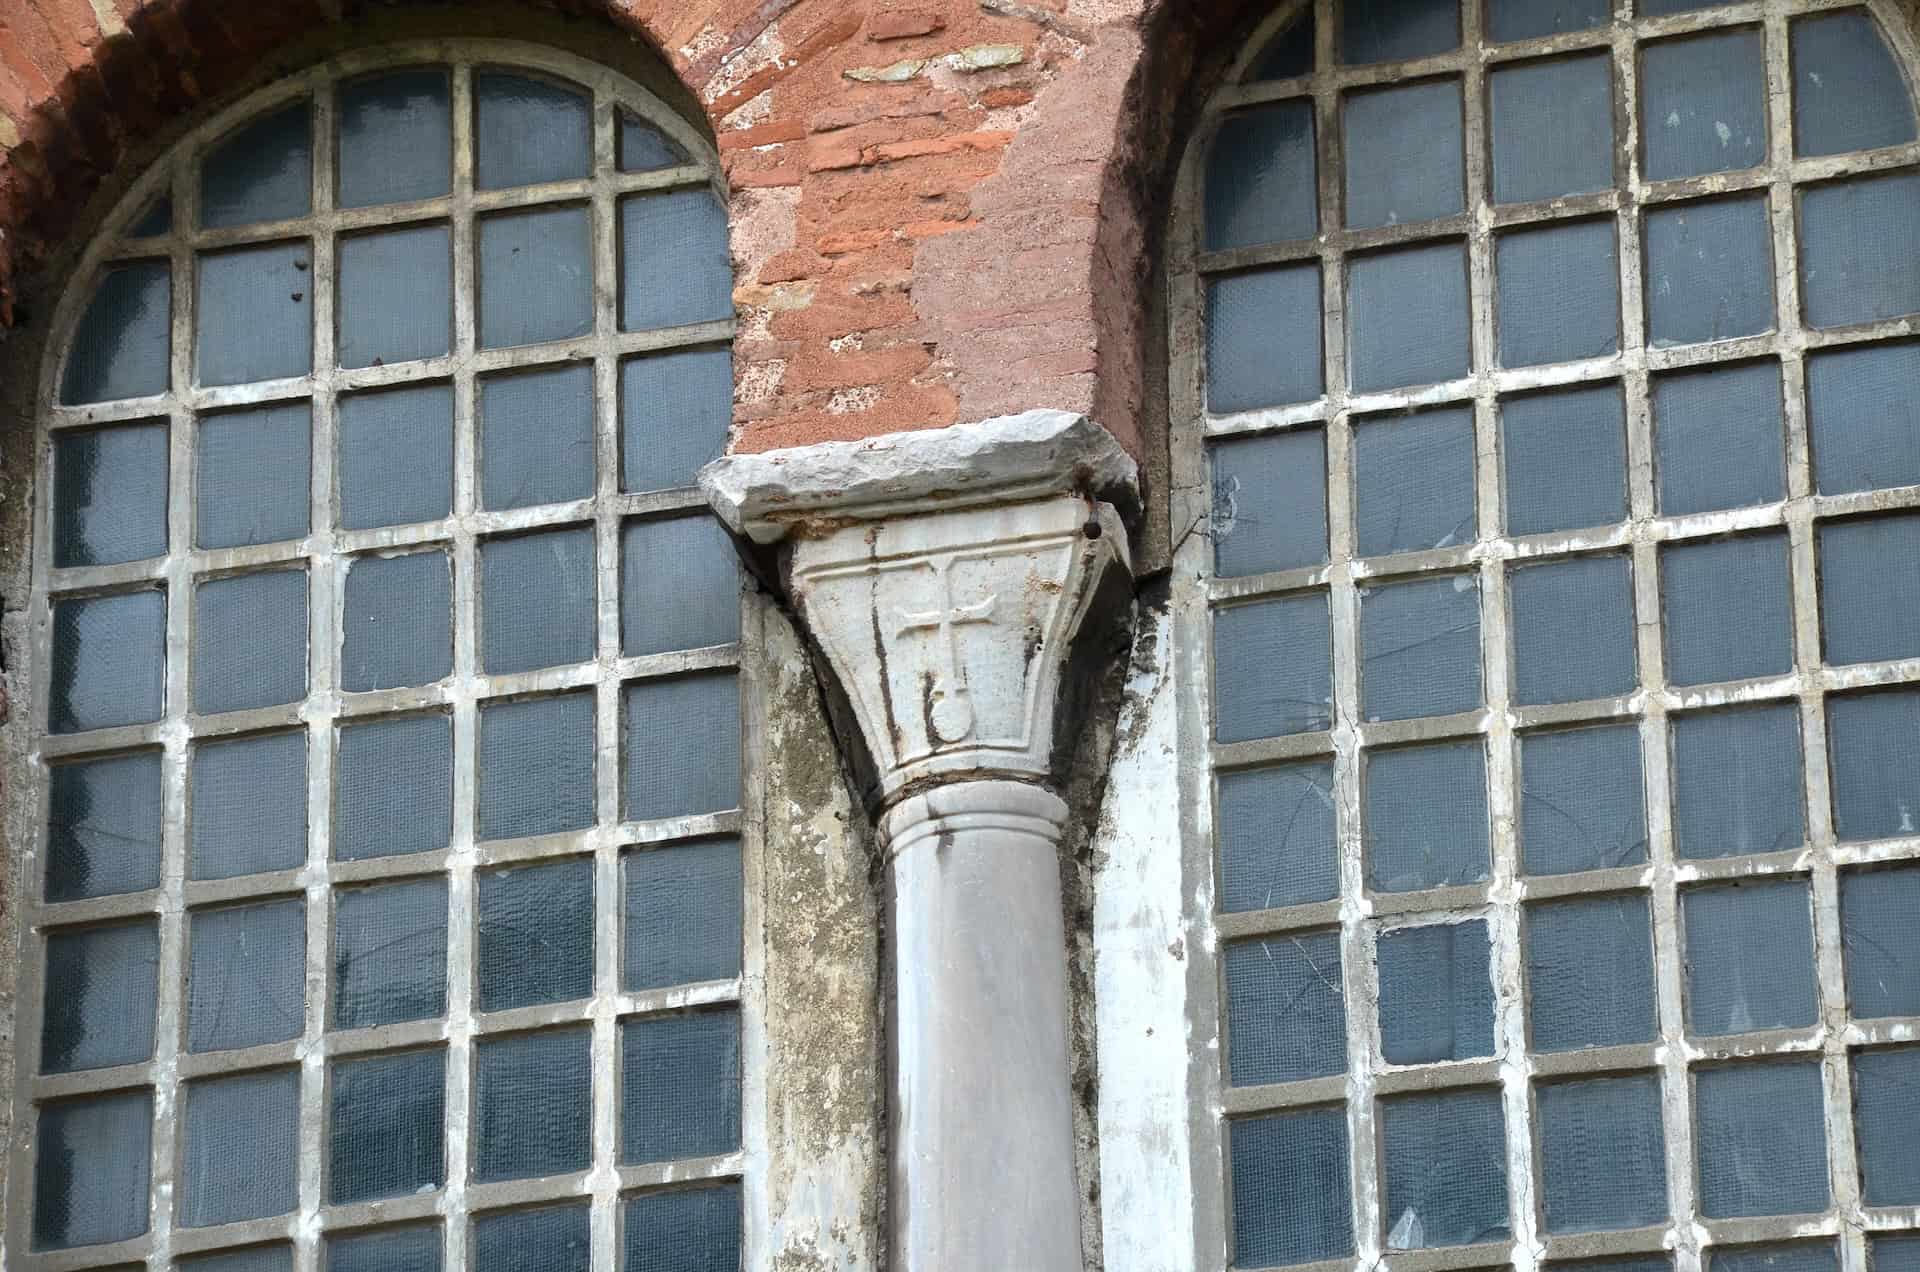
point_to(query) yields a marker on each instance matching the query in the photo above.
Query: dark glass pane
(1403, 154)
(1761, 1136)
(1263, 339)
(1590, 972)
(1581, 801)
(644, 148)
(1272, 668)
(550, 1239)
(1269, 502)
(674, 266)
(1288, 54)
(1420, 648)
(1408, 312)
(536, 766)
(1749, 957)
(1466, 1202)
(396, 138)
(1894, 1253)
(674, 412)
(384, 1130)
(1394, 30)
(527, 131)
(103, 827)
(92, 1170)
(536, 277)
(533, 1105)
(396, 296)
(679, 585)
(1848, 92)
(247, 975)
(1879, 912)
(109, 661)
(242, 1148)
(1603, 1154)
(1530, 19)
(1413, 481)
(679, 1086)
(1573, 629)
(1886, 1111)
(1559, 294)
(264, 1258)
(537, 600)
(250, 640)
(389, 953)
(1709, 271)
(1436, 993)
(1661, 8)
(1552, 126)
(1736, 777)
(682, 1230)
(1565, 456)
(384, 1135)
(120, 348)
(1875, 744)
(1276, 837)
(1292, 1198)
(395, 787)
(263, 172)
(1870, 589)
(157, 219)
(1860, 250)
(109, 494)
(248, 806)
(409, 1249)
(536, 437)
(1863, 411)
(396, 457)
(1703, 103)
(1805, 1256)
(1719, 435)
(253, 314)
(680, 914)
(1426, 812)
(251, 478)
(1261, 186)
(101, 994)
(1728, 616)
(398, 620)
(536, 934)
(1286, 1013)
(682, 746)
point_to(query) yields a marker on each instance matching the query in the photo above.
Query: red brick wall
(938, 204)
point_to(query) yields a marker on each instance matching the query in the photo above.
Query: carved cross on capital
(944, 575)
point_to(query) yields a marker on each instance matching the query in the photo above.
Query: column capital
(944, 575)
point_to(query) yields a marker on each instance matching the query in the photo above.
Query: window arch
(1545, 418)
(389, 884)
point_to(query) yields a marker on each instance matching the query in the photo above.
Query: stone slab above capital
(944, 575)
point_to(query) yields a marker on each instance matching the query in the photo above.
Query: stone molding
(944, 575)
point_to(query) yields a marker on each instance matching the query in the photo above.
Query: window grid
(1360, 916)
(324, 554)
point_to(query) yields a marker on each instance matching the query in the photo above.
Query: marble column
(943, 576)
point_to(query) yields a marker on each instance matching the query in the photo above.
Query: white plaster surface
(1140, 943)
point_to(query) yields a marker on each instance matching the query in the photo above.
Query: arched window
(389, 894)
(1549, 436)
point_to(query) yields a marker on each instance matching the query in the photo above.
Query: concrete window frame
(1358, 913)
(323, 554)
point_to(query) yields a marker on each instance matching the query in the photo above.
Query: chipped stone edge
(767, 496)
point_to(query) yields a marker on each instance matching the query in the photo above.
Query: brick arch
(90, 88)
